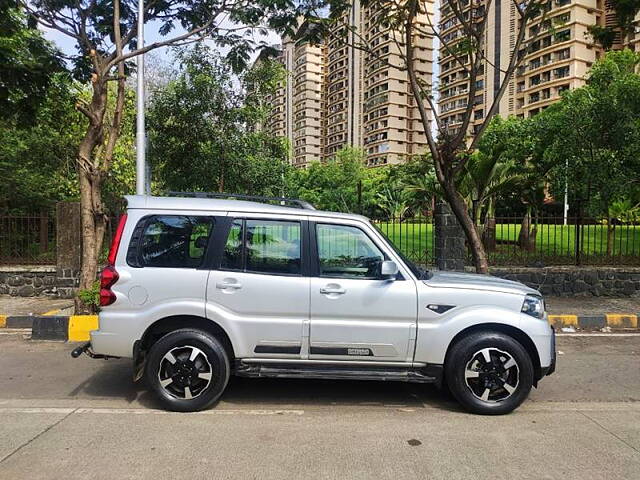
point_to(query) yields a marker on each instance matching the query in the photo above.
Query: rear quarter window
(170, 241)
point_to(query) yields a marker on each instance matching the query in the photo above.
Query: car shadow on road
(113, 380)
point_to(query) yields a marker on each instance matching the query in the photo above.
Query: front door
(355, 314)
(261, 291)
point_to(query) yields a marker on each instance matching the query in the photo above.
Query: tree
(105, 33)
(29, 64)
(201, 128)
(411, 21)
(37, 157)
(336, 185)
(625, 12)
(594, 142)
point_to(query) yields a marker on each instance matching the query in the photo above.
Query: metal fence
(31, 239)
(27, 239)
(580, 242)
(414, 237)
(552, 242)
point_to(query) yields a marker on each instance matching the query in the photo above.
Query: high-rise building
(558, 52)
(339, 96)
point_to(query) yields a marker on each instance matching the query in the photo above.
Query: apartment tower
(337, 95)
(557, 54)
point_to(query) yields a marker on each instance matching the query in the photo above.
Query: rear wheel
(187, 370)
(489, 373)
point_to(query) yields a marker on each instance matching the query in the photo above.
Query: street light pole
(141, 171)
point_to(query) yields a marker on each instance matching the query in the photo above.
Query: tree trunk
(489, 234)
(527, 236)
(460, 210)
(92, 218)
(611, 230)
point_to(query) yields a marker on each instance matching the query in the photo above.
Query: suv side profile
(198, 289)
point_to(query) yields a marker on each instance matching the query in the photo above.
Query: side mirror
(388, 270)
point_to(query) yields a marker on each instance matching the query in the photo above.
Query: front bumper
(544, 371)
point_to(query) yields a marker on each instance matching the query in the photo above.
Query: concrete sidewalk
(32, 305)
(592, 305)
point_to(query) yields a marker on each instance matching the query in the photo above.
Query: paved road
(64, 418)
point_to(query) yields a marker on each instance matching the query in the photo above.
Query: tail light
(109, 276)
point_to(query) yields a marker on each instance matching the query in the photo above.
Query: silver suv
(197, 289)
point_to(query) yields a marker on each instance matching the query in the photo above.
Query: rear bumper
(111, 344)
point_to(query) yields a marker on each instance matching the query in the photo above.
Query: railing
(550, 242)
(27, 239)
(31, 239)
(414, 237)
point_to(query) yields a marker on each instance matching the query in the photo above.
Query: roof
(224, 205)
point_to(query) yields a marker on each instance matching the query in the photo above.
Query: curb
(72, 328)
(590, 322)
(76, 328)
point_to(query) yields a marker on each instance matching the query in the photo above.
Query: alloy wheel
(492, 375)
(185, 372)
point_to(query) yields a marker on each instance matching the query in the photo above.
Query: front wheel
(489, 373)
(187, 370)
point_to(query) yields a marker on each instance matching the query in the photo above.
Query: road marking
(602, 334)
(143, 411)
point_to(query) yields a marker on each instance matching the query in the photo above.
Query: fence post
(68, 238)
(449, 238)
(578, 235)
(44, 231)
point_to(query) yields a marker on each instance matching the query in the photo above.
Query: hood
(474, 281)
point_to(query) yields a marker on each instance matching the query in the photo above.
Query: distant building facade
(336, 95)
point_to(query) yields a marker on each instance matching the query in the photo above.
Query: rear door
(260, 286)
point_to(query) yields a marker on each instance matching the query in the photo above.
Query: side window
(264, 246)
(174, 241)
(347, 252)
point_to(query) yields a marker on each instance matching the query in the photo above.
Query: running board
(428, 374)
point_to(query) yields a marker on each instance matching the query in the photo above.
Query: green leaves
(29, 63)
(202, 128)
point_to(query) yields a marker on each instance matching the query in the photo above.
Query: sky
(67, 44)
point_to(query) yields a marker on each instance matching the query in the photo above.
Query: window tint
(270, 246)
(347, 252)
(174, 241)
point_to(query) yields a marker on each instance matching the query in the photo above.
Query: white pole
(141, 172)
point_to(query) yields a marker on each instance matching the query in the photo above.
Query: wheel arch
(506, 329)
(165, 325)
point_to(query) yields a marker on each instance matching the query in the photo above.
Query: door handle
(329, 290)
(225, 284)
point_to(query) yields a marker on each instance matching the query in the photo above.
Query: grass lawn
(554, 243)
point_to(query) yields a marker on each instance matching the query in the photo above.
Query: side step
(429, 374)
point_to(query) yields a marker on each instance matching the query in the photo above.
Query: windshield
(420, 273)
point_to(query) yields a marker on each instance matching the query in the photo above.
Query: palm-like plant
(394, 201)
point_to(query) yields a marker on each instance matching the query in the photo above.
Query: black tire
(188, 390)
(507, 387)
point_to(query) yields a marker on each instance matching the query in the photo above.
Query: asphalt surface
(65, 418)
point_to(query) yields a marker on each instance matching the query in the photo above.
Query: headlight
(534, 306)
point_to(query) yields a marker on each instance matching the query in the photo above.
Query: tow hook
(86, 348)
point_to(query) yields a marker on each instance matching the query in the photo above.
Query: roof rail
(297, 203)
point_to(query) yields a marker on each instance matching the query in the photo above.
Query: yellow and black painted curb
(76, 328)
(72, 328)
(595, 322)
